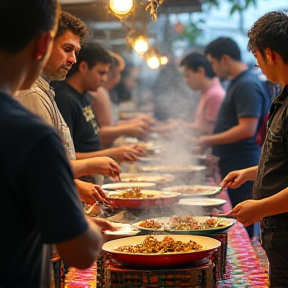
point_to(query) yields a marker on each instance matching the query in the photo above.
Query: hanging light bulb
(164, 60)
(121, 8)
(153, 62)
(140, 45)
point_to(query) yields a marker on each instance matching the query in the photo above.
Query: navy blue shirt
(245, 97)
(78, 114)
(39, 202)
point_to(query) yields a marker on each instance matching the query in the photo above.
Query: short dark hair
(194, 61)
(91, 53)
(223, 46)
(21, 20)
(70, 22)
(271, 31)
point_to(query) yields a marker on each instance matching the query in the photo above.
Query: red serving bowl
(159, 260)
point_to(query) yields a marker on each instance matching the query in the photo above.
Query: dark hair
(271, 31)
(223, 46)
(91, 53)
(194, 61)
(21, 20)
(68, 21)
(115, 62)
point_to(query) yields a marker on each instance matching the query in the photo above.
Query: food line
(232, 263)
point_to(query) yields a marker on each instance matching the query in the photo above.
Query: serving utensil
(221, 215)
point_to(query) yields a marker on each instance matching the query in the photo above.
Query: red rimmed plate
(161, 259)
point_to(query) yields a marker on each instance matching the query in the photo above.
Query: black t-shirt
(245, 97)
(39, 202)
(77, 112)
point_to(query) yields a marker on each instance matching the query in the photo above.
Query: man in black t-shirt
(35, 175)
(240, 116)
(74, 102)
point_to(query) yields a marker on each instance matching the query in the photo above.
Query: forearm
(273, 205)
(110, 133)
(251, 173)
(85, 247)
(230, 136)
(105, 152)
(84, 166)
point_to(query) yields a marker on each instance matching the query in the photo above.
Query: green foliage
(236, 5)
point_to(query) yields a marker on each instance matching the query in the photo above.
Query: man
(74, 102)
(268, 41)
(199, 76)
(102, 106)
(240, 116)
(36, 178)
(39, 99)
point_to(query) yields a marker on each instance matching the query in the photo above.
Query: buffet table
(243, 268)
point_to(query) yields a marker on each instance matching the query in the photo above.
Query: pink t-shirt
(209, 104)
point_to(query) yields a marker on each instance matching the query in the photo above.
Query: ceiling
(107, 29)
(97, 10)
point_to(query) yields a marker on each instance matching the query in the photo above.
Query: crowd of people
(56, 133)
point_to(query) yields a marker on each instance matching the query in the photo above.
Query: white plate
(152, 178)
(204, 202)
(127, 185)
(124, 230)
(173, 168)
(191, 190)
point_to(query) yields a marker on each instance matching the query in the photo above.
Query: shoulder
(22, 126)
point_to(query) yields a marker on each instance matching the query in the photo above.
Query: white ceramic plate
(127, 185)
(173, 168)
(193, 190)
(152, 178)
(204, 202)
(124, 230)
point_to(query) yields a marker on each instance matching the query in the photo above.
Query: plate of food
(173, 168)
(194, 225)
(193, 190)
(198, 225)
(152, 225)
(152, 178)
(160, 250)
(127, 185)
(136, 198)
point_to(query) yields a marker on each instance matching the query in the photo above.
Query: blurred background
(155, 35)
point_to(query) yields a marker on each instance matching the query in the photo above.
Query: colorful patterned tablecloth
(243, 266)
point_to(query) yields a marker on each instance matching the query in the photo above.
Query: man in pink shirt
(199, 76)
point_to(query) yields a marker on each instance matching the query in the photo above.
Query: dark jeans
(274, 234)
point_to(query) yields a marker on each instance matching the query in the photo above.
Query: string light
(121, 8)
(153, 62)
(140, 45)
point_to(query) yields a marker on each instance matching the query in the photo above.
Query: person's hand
(138, 129)
(247, 212)
(89, 193)
(124, 154)
(105, 166)
(234, 179)
(104, 224)
(141, 150)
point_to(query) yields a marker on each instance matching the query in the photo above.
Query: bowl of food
(142, 199)
(160, 250)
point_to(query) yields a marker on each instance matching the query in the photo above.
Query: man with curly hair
(39, 99)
